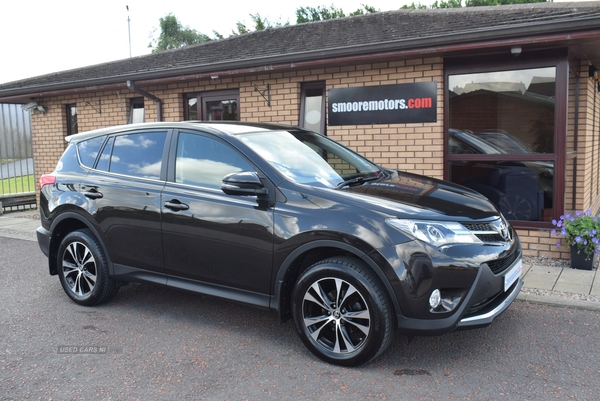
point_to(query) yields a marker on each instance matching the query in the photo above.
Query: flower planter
(578, 260)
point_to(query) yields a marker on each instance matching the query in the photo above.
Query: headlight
(435, 233)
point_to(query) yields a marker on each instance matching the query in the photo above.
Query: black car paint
(277, 234)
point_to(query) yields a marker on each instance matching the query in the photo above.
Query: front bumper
(485, 316)
(485, 300)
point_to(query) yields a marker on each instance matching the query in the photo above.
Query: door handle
(93, 194)
(176, 205)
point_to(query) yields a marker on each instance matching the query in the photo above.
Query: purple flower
(558, 244)
(578, 213)
(578, 239)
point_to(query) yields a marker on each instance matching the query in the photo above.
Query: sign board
(386, 104)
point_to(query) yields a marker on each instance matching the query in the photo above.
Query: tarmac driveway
(154, 343)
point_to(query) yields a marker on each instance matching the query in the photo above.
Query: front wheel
(83, 269)
(342, 313)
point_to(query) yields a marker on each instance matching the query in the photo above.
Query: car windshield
(309, 158)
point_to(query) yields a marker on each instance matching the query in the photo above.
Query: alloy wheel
(336, 315)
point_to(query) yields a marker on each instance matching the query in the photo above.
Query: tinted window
(104, 161)
(204, 161)
(88, 150)
(138, 155)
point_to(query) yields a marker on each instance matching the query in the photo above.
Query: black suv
(281, 218)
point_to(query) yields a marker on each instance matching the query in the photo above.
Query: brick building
(502, 99)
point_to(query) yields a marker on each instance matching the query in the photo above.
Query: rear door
(124, 197)
(209, 236)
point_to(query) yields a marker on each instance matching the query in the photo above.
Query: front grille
(486, 232)
(490, 232)
(479, 226)
(499, 265)
(489, 237)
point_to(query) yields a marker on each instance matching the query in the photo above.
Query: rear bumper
(43, 239)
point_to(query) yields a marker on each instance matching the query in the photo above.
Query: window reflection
(138, 155)
(504, 120)
(521, 190)
(514, 110)
(203, 161)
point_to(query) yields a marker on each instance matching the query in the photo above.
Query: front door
(210, 236)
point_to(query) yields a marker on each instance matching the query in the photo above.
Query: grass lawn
(16, 185)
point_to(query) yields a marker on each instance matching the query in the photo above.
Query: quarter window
(88, 150)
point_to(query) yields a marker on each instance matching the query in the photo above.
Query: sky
(41, 37)
(44, 36)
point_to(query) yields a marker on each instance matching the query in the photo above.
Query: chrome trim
(491, 315)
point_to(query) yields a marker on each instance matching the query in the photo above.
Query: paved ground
(544, 283)
(154, 343)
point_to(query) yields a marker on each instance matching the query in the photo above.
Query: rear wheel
(83, 269)
(341, 312)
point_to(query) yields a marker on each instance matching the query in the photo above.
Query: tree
(321, 13)
(468, 3)
(260, 24)
(173, 35)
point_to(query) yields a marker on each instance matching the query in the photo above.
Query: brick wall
(411, 147)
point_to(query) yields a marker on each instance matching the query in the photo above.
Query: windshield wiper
(356, 180)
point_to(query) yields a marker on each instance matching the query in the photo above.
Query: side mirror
(245, 183)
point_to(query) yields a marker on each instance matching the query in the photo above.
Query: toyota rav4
(281, 218)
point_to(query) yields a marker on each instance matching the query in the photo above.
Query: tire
(342, 313)
(83, 269)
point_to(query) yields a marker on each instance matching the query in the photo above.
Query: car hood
(426, 197)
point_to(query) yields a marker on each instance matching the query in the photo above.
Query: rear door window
(138, 154)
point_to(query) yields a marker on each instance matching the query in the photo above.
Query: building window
(212, 106)
(312, 108)
(136, 111)
(72, 127)
(502, 138)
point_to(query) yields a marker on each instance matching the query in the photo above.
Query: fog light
(435, 299)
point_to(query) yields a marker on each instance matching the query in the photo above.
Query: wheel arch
(308, 254)
(64, 224)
